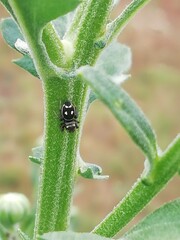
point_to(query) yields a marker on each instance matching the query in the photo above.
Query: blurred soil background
(154, 38)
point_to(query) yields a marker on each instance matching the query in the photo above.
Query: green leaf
(90, 171)
(37, 13)
(10, 32)
(35, 160)
(62, 23)
(92, 97)
(37, 155)
(14, 38)
(27, 64)
(114, 61)
(123, 108)
(71, 236)
(38, 152)
(163, 224)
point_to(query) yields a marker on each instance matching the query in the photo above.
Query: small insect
(69, 117)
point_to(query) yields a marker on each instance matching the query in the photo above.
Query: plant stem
(114, 28)
(53, 45)
(140, 194)
(76, 23)
(59, 166)
(92, 26)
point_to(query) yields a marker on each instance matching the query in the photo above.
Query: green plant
(68, 56)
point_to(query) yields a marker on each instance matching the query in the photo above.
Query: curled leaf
(37, 155)
(22, 46)
(90, 171)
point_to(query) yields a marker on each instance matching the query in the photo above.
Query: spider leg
(76, 124)
(62, 127)
(75, 113)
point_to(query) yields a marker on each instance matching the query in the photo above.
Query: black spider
(69, 117)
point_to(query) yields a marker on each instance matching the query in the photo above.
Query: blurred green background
(154, 38)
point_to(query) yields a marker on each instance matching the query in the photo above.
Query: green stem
(53, 45)
(59, 166)
(140, 195)
(114, 28)
(60, 148)
(92, 26)
(76, 23)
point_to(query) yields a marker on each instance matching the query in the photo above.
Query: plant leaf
(62, 23)
(40, 12)
(22, 47)
(114, 61)
(123, 108)
(37, 155)
(92, 97)
(71, 236)
(12, 35)
(38, 152)
(163, 224)
(10, 32)
(90, 170)
(27, 64)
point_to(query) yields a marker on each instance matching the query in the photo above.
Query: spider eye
(72, 112)
(66, 113)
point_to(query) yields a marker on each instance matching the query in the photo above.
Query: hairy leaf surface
(124, 109)
(163, 224)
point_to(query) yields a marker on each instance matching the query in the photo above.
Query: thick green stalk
(76, 23)
(60, 148)
(141, 194)
(93, 24)
(53, 45)
(59, 166)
